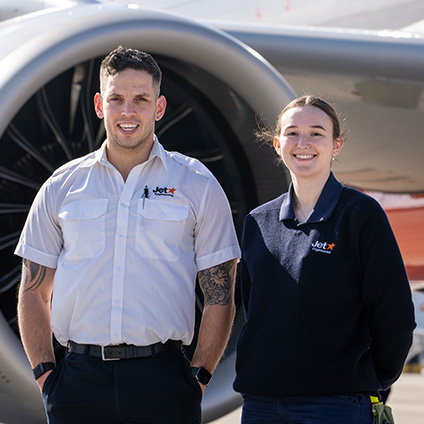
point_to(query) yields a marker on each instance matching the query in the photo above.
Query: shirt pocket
(160, 228)
(83, 226)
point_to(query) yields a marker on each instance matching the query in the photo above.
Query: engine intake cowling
(216, 89)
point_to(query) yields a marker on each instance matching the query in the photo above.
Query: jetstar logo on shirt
(323, 247)
(164, 191)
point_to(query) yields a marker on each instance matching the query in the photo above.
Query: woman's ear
(337, 146)
(277, 145)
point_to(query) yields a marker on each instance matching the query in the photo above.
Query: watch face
(202, 375)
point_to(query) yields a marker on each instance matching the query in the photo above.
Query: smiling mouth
(304, 157)
(128, 127)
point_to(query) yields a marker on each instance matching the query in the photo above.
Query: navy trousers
(157, 390)
(340, 409)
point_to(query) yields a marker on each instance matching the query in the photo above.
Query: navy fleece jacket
(327, 302)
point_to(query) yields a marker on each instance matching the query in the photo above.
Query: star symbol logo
(330, 246)
(171, 190)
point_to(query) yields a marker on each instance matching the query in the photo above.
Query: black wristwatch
(42, 368)
(202, 375)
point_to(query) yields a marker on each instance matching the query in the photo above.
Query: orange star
(330, 246)
(172, 190)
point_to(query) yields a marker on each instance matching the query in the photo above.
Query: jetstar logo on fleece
(164, 191)
(322, 247)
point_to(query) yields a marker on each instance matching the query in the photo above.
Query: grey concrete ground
(406, 399)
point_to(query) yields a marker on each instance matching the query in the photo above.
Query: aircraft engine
(216, 89)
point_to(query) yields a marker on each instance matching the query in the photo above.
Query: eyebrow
(146, 95)
(319, 126)
(312, 126)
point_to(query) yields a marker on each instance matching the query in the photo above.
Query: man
(118, 238)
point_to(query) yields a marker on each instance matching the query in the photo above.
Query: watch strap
(42, 368)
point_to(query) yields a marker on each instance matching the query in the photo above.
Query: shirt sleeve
(387, 296)
(41, 238)
(215, 237)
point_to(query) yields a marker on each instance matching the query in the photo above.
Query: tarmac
(406, 399)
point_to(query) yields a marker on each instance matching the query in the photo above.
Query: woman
(329, 316)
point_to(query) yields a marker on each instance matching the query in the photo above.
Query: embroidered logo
(323, 247)
(164, 191)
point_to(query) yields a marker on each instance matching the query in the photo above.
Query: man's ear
(160, 107)
(98, 105)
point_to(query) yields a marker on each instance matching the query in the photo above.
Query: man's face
(130, 105)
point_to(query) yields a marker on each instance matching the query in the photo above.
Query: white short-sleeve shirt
(127, 253)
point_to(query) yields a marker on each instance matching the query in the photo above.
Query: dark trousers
(156, 390)
(338, 409)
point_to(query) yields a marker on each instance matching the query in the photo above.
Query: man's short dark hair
(124, 58)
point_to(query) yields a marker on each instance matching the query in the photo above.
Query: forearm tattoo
(32, 273)
(217, 282)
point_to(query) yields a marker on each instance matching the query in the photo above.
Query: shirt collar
(99, 156)
(159, 151)
(324, 207)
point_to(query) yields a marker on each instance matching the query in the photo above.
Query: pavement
(406, 399)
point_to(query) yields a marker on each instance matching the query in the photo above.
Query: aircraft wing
(375, 80)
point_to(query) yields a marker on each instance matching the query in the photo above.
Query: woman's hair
(267, 135)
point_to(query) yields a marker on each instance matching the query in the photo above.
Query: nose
(128, 108)
(303, 141)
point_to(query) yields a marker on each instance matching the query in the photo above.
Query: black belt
(123, 351)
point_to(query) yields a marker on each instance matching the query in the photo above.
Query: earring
(333, 157)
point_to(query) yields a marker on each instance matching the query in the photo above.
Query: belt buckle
(104, 357)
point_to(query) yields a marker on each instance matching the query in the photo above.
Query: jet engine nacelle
(216, 89)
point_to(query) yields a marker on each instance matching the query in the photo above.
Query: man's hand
(202, 387)
(41, 380)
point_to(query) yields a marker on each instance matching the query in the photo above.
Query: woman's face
(305, 143)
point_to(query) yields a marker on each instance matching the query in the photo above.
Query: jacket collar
(324, 207)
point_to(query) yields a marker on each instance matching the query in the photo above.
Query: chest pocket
(160, 228)
(83, 225)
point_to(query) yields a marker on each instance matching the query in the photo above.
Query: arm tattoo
(32, 272)
(216, 283)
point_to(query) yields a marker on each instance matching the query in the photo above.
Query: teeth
(127, 127)
(304, 156)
